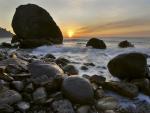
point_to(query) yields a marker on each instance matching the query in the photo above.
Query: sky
(89, 18)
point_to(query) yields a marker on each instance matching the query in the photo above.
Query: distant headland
(5, 33)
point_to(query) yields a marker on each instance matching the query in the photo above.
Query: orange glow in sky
(70, 33)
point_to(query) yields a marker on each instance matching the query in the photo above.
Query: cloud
(130, 24)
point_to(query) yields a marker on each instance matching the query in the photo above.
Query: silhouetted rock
(129, 66)
(5, 33)
(34, 27)
(78, 90)
(96, 43)
(125, 44)
(5, 45)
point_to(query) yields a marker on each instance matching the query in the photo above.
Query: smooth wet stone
(84, 68)
(15, 62)
(62, 106)
(3, 83)
(129, 66)
(96, 43)
(23, 106)
(143, 85)
(45, 72)
(106, 103)
(122, 88)
(9, 97)
(83, 109)
(40, 95)
(97, 79)
(49, 56)
(78, 90)
(71, 70)
(14, 69)
(99, 93)
(62, 61)
(5, 108)
(86, 76)
(54, 84)
(18, 85)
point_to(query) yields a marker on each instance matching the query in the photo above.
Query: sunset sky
(87, 18)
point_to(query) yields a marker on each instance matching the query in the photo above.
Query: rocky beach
(40, 74)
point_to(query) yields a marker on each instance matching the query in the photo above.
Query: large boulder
(34, 27)
(125, 44)
(129, 66)
(78, 90)
(96, 43)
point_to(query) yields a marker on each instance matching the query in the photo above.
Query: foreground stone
(9, 97)
(62, 106)
(40, 95)
(106, 103)
(34, 27)
(96, 43)
(125, 44)
(129, 66)
(45, 72)
(70, 70)
(78, 90)
(122, 88)
(143, 85)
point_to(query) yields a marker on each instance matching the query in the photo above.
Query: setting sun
(70, 33)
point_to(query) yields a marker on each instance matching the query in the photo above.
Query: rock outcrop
(96, 43)
(125, 44)
(34, 27)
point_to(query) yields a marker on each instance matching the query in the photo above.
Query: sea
(76, 51)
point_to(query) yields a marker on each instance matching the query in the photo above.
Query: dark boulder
(125, 44)
(34, 27)
(78, 90)
(96, 43)
(129, 66)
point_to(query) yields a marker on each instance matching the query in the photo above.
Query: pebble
(39, 95)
